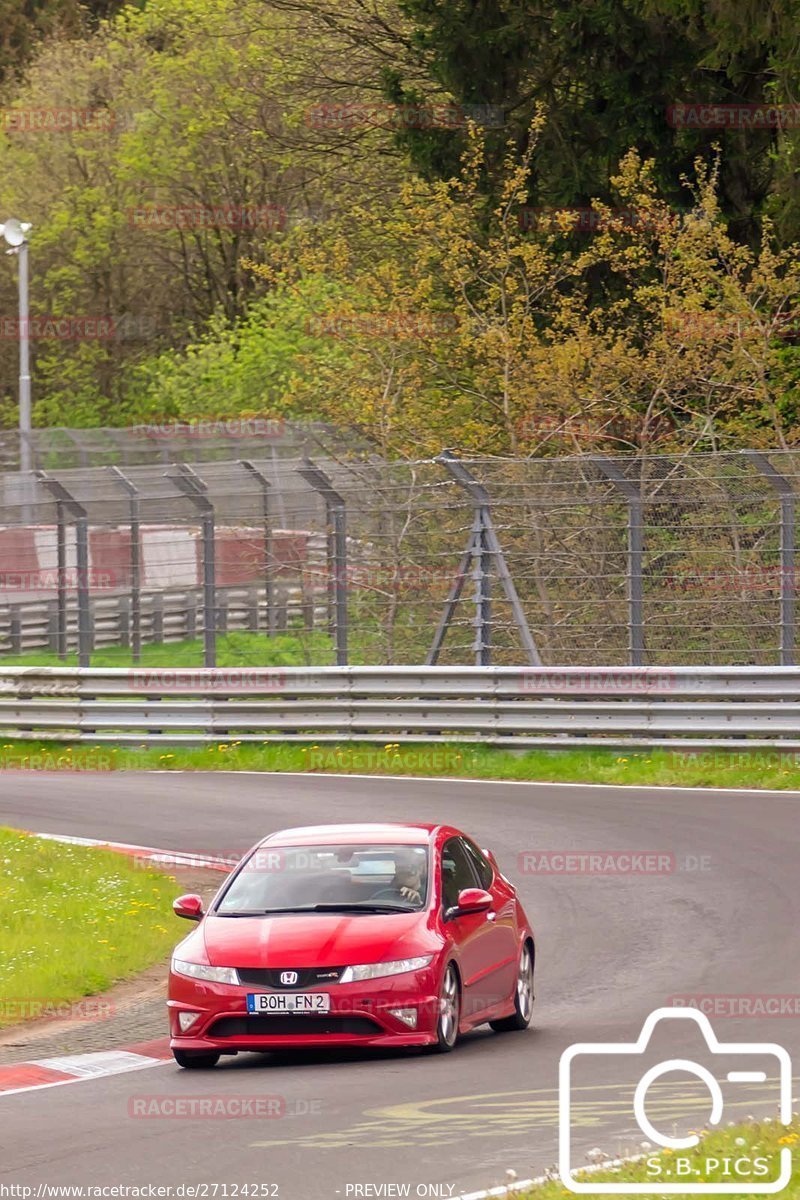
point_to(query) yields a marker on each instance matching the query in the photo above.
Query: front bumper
(360, 1015)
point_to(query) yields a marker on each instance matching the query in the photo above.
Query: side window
(481, 864)
(457, 872)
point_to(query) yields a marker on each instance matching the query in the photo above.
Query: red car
(351, 935)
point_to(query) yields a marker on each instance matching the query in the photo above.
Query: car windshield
(286, 879)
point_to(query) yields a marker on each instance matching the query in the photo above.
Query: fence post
(61, 582)
(66, 500)
(192, 486)
(484, 550)
(132, 493)
(635, 554)
(336, 520)
(783, 488)
(269, 565)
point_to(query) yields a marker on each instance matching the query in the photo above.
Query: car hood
(316, 939)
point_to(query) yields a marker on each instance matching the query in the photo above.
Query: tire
(195, 1062)
(523, 996)
(449, 1011)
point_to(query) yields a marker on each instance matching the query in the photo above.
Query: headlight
(377, 970)
(199, 971)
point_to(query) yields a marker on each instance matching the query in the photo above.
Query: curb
(159, 858)
(73, 1068)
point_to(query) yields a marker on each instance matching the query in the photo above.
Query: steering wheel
(388, 893)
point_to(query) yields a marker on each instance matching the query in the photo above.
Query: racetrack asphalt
(722, 921)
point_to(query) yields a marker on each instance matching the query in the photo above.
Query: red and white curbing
(72, 1068)
(159, 858)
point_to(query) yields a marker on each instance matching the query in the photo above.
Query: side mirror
(470, 900)
(189, 906)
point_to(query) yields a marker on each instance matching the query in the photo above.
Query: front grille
(287, 1024)
(308, 976)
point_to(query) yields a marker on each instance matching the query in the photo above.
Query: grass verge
(75, 921)
(747, 1154)
(672, 768)
(233, 650)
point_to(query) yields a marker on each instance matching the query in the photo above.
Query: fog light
(186, 1019)
(407, 1015)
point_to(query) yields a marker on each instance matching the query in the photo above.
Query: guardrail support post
(635, 555)
(336, 519)
(785, 491)
(484, 550)
(132, 493)
(65, 500)
(269, 565)
(192, 486)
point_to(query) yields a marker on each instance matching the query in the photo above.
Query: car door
(506, 920)
(479, 946)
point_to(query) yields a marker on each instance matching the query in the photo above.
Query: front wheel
(195, 1062)
(449, 1012)
(523, 997)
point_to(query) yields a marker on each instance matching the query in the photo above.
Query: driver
(408, 877)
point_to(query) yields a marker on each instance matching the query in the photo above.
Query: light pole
(16, 234)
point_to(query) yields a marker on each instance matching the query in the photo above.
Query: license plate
(265, 1003)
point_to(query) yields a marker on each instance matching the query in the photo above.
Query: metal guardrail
(686, 708)
(167, 615)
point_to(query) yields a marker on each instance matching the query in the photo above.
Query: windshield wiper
(330, 906)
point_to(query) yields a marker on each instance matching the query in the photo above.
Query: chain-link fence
(321, 553)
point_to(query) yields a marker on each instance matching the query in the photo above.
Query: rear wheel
(195, 1062)
(449, 1011)
(523, 997)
